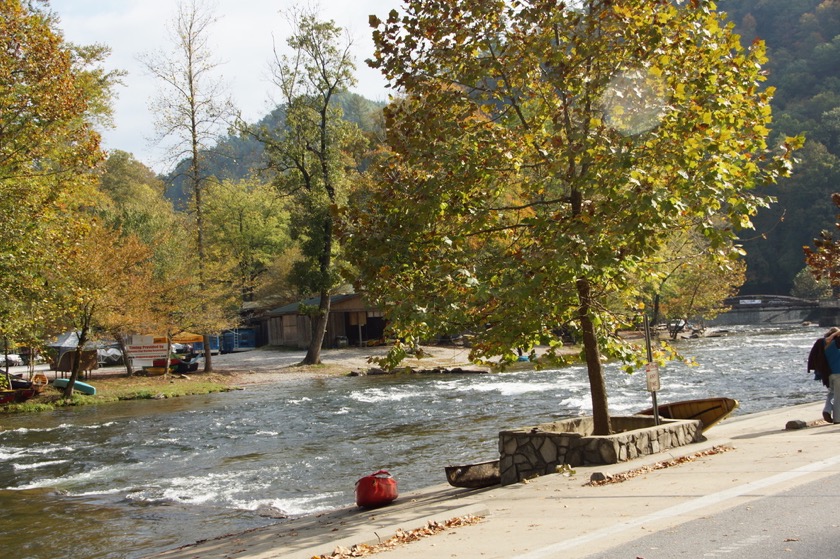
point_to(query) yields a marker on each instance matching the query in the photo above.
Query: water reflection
(125, 481)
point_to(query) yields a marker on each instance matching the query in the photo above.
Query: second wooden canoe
(156, 371)
(16, 396)
(707, 410)
(474, 476)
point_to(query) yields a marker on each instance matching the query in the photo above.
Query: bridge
(777, 309)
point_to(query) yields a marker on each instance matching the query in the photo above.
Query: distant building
(351, 322)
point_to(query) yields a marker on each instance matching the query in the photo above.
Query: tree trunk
(208, 354)
(654, 320)
(597, 386)
(6, 361)
(168, 354)
(127, 361)
(313, 353)
(77, 358)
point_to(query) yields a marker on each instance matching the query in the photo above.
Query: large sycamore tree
(542, 153)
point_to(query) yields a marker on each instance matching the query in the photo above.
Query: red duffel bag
(376, 490)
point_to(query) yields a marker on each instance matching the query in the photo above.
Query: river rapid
(125, 481)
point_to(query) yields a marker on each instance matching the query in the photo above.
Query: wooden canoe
(156, 371)
(474, 476)
(22, 390)
(707, 410)
(28, 385)
(16, 396)
(40, 380)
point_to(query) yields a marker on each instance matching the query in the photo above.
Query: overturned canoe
(474, 476)
(78, 386)
(707, 410)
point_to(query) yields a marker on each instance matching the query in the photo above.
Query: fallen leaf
(624, 476)
(401, 537)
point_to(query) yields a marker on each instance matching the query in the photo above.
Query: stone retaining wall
(539, 450)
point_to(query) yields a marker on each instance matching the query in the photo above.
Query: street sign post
(652, 374)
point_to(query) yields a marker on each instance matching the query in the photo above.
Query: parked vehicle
(238, 339)
(198, 347)
(187, 364)
(12, 360)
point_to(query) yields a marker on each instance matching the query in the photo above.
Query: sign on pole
(147, 351)
(145, 347)
(652, 374)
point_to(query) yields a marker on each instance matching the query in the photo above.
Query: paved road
(794, 524)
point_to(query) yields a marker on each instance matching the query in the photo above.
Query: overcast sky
(242, 38)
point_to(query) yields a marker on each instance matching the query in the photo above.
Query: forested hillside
(803, 45)
(238, 156)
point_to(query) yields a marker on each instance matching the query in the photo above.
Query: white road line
(681, 509)
(737, 546)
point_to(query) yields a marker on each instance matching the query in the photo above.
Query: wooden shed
(351, 322)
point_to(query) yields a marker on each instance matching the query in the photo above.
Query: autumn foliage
(543, 152)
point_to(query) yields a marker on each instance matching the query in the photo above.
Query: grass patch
(117, 388)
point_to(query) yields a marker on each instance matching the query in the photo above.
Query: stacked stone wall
(540, 449)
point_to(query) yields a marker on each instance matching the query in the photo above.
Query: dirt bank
(268, 365)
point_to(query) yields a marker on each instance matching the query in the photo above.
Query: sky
(242, 39)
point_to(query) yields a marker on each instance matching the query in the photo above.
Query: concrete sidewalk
(561, 516)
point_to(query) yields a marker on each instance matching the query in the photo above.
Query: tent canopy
(70, 340)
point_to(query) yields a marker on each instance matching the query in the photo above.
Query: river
(125, 481)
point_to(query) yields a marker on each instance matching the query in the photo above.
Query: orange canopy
(182, 338)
